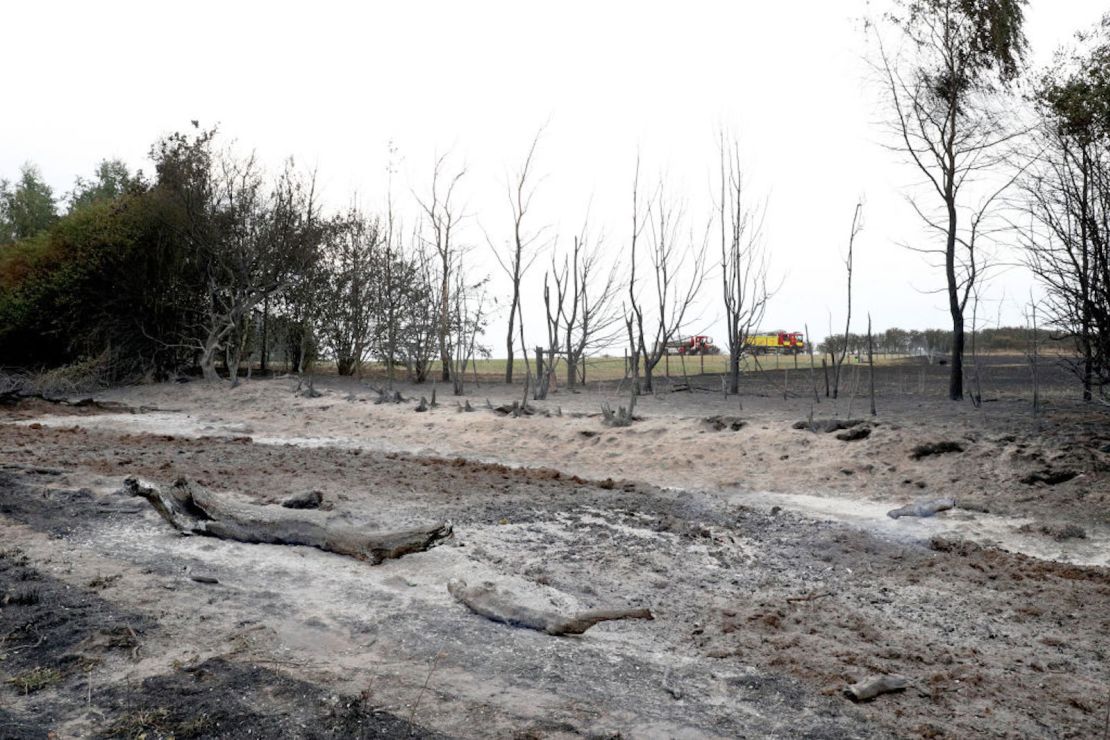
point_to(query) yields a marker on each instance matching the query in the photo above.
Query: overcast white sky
(333, 83)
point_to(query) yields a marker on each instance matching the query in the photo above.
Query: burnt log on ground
(854, 434)
(1049, 477)
(923, 508)
(192, 509)
(935, 448)
(486, 600)
(305, 500)
(720, 423)
(514, 409)
(826, 425)
(17, 396)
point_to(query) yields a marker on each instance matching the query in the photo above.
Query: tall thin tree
(949, 119)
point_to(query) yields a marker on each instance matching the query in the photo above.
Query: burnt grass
(997, 644)
(222, 698)
(54, 636)
(991, 639)
(58, 511)
(55, 639)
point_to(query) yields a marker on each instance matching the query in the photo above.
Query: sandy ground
(764, 552)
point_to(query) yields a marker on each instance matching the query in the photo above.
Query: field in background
(1000, 375)
(608, 368)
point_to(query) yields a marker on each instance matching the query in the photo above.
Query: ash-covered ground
(762, 550)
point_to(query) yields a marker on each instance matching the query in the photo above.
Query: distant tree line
(928, 342)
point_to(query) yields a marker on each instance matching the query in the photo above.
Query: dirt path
(762, 614)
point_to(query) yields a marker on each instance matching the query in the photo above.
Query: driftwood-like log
(923, 508)
(873, 686)
(193, 509)
(491, 602)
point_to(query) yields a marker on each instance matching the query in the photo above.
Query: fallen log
(812, 596)
(854, 434)
(826, 425)
(486, 600)
(192, 509)
(935, 448)
(1049, 477)
(873, 686)
(923, 508)
(720, 423)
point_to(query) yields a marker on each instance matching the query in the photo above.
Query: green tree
(109, 276)
(27, 207)
(111, 180)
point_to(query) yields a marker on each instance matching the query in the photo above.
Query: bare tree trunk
(857, 225)
(541, 376)
(956, 376)
(208, 359)
(734, 371)
(509, 336)
(812, 374)
(265, 333)
(519, 259)
(1033, 366)
(871, 363)
(956, 309)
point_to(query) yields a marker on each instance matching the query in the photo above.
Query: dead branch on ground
(487, 600)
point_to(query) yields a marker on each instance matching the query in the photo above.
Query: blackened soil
(225, 699)
(57, 641)
(55, 510)
(53, 637)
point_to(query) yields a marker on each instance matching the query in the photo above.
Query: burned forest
(713, 372)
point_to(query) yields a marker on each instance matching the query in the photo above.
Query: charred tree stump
(486, 600)
(192, 509)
